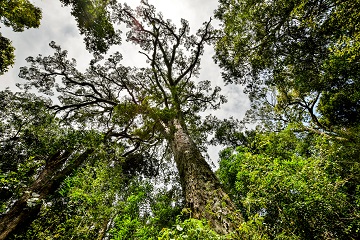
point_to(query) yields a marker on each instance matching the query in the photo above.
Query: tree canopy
(301, 55)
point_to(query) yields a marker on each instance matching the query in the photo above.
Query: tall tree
(150, 107)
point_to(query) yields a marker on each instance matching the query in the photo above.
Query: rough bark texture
(203, 192)
(20, 214)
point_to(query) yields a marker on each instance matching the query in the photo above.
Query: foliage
(287, 188)
(183, 228)
(189, 229)
(144, 212)
(93, 21)
(300, 180)
(18, 14)
(6, 54)
(299, 62)
(131, 223)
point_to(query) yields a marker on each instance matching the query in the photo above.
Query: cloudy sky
(58, 25)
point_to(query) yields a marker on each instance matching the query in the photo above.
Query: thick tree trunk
(20, 214)
(202, 189)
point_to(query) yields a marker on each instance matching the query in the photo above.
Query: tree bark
(203, 192)
(20, 214)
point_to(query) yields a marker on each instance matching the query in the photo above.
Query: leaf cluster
(19, 14)
(93, 20)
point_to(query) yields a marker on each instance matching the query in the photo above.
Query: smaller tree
(32, 169)
(61, 182)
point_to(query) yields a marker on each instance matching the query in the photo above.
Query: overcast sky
(58, 25)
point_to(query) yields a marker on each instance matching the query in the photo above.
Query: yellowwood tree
(155, 107)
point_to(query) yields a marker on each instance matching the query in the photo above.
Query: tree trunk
(20, 214)
(203, 192)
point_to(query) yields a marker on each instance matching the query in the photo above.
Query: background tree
(94, 23)
(31, 168)
(299, 58)
(299, 62)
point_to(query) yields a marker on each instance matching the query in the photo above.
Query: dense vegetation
(120, 153)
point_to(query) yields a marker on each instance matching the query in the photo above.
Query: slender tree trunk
(202, 189)
(20, 214)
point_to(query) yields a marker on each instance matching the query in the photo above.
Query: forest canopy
(119, 152)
